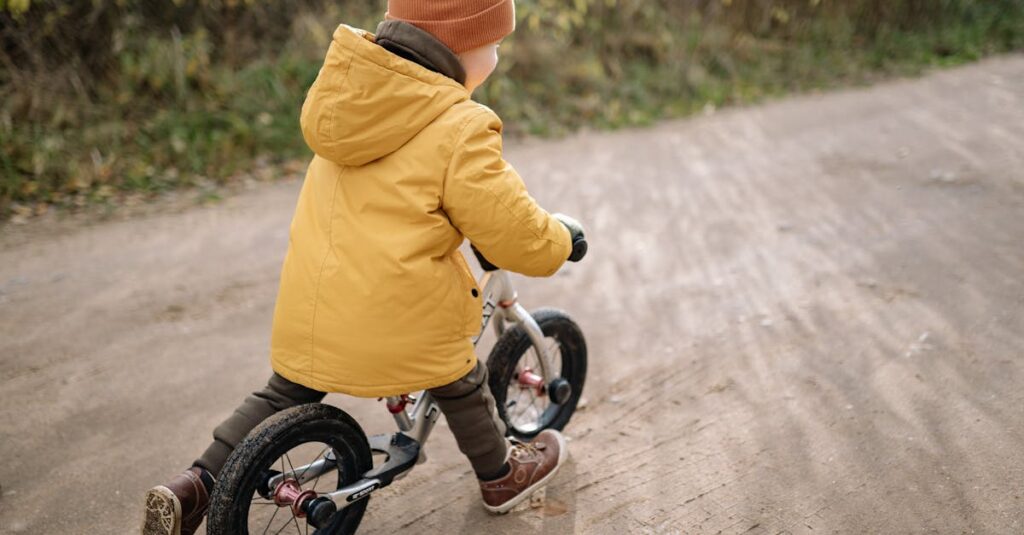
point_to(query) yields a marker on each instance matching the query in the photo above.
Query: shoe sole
(563, 451)
(163, 513)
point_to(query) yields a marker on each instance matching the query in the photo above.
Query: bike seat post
(396, 406)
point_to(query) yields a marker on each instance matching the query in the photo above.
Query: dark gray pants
(467, 404)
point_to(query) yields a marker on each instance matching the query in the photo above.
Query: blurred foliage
(101, 98)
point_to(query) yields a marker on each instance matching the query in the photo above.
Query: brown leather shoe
(531, 466)
(178, 507)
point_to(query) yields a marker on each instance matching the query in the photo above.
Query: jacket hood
(367, 102)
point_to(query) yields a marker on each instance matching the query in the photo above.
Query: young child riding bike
(375, 298)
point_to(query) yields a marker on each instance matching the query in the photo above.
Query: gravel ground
(804, 317)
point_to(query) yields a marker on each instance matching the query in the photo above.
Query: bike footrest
(402, 453)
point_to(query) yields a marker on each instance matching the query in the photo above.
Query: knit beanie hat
(460, 24)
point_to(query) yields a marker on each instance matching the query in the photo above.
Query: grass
(176, 116)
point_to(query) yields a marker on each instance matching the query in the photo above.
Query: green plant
(104, 98)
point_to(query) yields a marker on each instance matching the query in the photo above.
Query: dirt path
(806, 317)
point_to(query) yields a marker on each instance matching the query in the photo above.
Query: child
(375, 297)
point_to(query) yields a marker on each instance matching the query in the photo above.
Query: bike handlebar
(579, 249)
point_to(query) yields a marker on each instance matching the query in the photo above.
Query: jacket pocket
(470, 295)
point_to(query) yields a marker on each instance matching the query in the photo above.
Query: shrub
(103, 97)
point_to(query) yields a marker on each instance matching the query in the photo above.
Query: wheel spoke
(555, 349)
(520, 407)
(286, 524)
(533, 405)
(271, 521)
(337, 469)
(315, 459)
(290, 464)
(315, 481)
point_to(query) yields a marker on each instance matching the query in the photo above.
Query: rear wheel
(527, 403)
(241, 502)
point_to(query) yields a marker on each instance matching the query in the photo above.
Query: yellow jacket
(375, 297)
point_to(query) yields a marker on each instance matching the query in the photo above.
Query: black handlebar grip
(484, 263)
(579, 249)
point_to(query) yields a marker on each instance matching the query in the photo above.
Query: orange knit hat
(460, 24)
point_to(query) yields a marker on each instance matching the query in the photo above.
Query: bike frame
(404, 448)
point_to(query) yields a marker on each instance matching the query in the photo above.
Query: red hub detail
(290, 494)
(528, 379)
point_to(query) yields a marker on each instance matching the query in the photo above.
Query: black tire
(511, 348)
(257, 454)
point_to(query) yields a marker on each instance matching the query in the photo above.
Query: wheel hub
(289, 493)
(528, 379)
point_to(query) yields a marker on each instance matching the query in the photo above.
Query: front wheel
(241, 502)
(526, 403)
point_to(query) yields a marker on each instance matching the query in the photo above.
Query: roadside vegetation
(108, 101)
